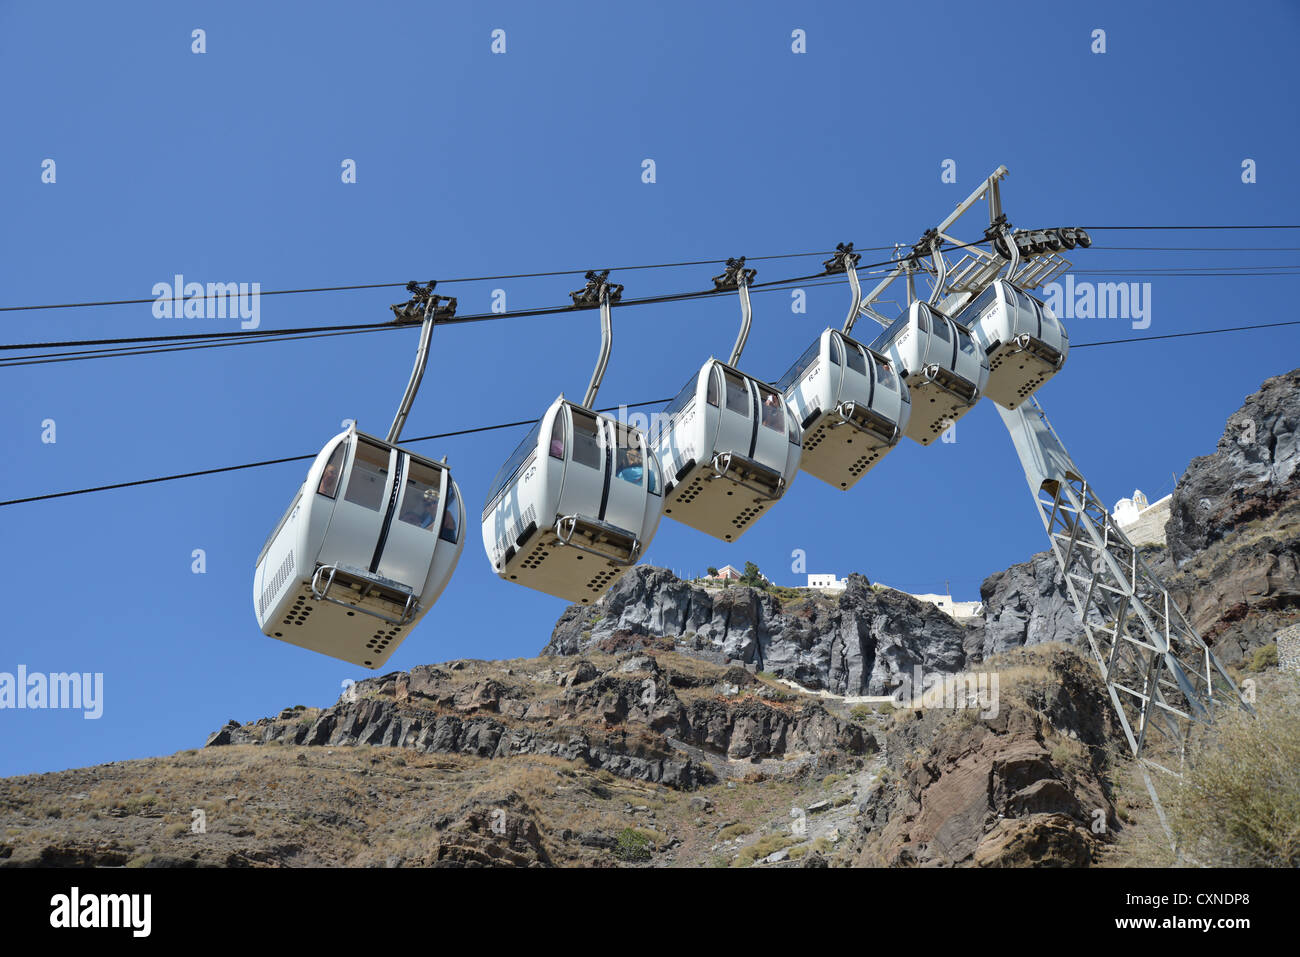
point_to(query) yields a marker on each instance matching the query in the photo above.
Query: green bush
(632, 846)
(1264, 658)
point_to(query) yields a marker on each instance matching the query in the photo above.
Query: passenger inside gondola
(557, 438)
(424, 511)
(630, 466)
(329, 482)
(771, 412)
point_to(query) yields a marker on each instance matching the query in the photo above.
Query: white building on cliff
(827, 583)
(1143, 522)
(957, 610)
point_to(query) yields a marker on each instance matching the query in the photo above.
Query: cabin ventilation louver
(275, 584)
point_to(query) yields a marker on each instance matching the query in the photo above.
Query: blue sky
(225, 166)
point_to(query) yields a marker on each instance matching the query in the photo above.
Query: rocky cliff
(632, 717)
(1253, 474)
(1234, 527)
(643, 757)
(1026, 786)
(862, 642)
(1027, 605)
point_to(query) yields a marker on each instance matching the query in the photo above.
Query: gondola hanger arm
(737, 277)
(599, 291)
(425, 307)
(846, 261)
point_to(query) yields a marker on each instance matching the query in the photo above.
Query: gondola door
(353, 536)
(412, 533)
(771, 440)
(735, 414)
(626, 492)
(585, 464)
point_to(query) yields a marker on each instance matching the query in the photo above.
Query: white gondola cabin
(852, 406)
(363, 552)
(729, 448)
(575, 506)
(945, 370)
(1024, 342)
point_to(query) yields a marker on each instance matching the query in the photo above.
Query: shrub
(739, 829)
(1239, 802)
(1264, 658)
(632, 846)
(763, 847)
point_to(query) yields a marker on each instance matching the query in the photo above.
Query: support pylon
(1163, 680)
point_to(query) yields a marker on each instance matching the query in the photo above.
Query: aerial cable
(296, 458)
(183, 343)
(570, 272)
(615, 408)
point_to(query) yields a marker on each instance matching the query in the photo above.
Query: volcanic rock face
(628, 720)
(1027, 605)
(1021, 787)
(861, 643)
(1253, 474)
(1234, 527)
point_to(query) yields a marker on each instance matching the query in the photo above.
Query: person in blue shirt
(632, 469)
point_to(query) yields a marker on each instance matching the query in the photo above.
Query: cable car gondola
(1023, 341)
(945, 370)
(577, 503)
(852, 406)
(730, 446)
(363, 552)
(368, 543)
